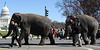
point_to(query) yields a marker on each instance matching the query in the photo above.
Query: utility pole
(46, 12)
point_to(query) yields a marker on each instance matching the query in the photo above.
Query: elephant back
(35, 17)
(86, 17)
(88, 22)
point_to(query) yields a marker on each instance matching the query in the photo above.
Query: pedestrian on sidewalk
(62, 32)
(54, 31)
(15, 34)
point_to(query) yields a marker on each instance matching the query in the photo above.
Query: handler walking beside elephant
(15, 34)
(89, 26)
(77, 34)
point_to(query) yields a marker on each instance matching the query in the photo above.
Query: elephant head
(71, 22)
(17, 19)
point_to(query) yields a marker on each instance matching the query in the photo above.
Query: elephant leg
(42, 40)
(21, 37)
(52, 41)
(85, 38)
(73, 39)
(26, 39)
(93, 39)
(26, 32)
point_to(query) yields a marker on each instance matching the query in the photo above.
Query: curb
(11, 37)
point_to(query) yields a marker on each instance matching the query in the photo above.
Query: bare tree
(74, 7)
(58, 25)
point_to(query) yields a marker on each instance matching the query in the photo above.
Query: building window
(5, 20)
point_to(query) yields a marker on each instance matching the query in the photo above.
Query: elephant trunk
(67, 31)
(9, 32)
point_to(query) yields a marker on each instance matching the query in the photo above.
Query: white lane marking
(93, 46)
(90, 49)
(87, 48)
(39, 46)
(57, 46)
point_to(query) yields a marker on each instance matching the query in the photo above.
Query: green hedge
(4, 28)
(4, 33)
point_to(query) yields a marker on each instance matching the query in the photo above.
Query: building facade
(4, 17)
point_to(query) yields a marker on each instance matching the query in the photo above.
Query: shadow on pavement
(4, 45)
(7, 45)
(50, 44)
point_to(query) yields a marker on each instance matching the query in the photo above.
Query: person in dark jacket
(15, 33)
(77, 32)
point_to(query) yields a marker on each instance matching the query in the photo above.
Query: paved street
(60, 45)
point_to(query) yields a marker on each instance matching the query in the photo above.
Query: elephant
(32, 24)
(89, 27)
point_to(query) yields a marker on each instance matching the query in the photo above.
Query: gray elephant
(32, 24)
(89, 27)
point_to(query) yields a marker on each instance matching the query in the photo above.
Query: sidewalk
(11, 37)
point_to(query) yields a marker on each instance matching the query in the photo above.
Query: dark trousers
(15, 38)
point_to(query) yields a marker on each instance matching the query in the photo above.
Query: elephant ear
(68, 18)
(16, 17)
(74, 18)
(77, 20)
